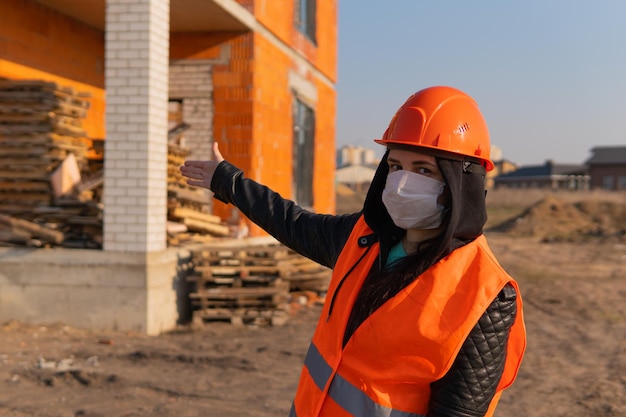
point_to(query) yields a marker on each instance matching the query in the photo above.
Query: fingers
(191, 168)
(194, 171)
(216, 153)
(192, 174)
(195, 183)
(200, 173)
(198, 164)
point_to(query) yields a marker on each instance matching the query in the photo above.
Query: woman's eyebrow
(416, 162)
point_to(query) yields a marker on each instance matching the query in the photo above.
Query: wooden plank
(44, 106)
(224, 293)
(241, 316)
(13, 207)
(299, 276)
(22, 151)
(55, 96)
(26, 84)
(211, 304)
(37, 230)
(266, 246)
(200, 226)
(244, 270)
(235, 280)
(56, 212)
(39, 173)
(44, 139)
(182, 213)
(94, 181)
(38, 197)
(84, 221)
(244, 260)
(18, 129)
(192, 194)
(23, 117)
(49, 117)
(17, 163)
(25, 186)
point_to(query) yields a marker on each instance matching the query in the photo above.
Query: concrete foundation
(99, 290)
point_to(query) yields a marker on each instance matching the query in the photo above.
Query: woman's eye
(395, 167)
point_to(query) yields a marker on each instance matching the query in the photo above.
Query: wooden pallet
(244, 279)
(241, 316)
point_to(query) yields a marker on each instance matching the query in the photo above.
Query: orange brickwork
(253, 120)
(280, 20)
(39, 43)
(252, 96)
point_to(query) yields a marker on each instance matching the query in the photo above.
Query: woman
(419, 319)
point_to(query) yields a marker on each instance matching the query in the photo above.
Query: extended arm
(319, 237)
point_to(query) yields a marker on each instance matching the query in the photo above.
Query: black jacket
(469, 386)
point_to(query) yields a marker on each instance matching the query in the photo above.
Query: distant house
(607, 167)
(550, 176)
(500, 167)
(356, 167)
(356, 177)
(356, 155)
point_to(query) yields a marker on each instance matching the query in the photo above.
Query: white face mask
(411, 200)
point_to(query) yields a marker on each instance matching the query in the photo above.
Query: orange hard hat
(441, 118)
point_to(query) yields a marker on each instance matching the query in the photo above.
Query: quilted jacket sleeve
(470, 384)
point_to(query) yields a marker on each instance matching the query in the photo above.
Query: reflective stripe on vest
(387, 366)
(346, 395)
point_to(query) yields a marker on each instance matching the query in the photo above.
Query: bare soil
(567, 252)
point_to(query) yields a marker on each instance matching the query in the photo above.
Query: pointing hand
(200, 173)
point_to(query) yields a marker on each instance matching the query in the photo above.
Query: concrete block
(95, 289)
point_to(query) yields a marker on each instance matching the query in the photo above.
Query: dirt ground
(569, 258)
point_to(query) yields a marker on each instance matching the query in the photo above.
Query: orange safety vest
(412, 340)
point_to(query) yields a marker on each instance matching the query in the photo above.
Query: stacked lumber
(51, 175)
(40, 131)
(40, 126)
(188, 207)
(251, 281)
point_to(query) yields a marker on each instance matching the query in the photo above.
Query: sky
(548, 75)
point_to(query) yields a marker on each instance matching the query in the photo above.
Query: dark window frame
(303, 156)
(305, 18)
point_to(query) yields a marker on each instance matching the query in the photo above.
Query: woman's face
(418, 162)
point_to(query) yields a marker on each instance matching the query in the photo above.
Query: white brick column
(136, 81)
